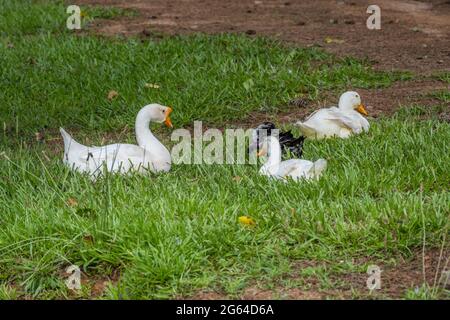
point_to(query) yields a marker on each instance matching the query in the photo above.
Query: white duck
(339, 122)
(295, 169)
(149, 154)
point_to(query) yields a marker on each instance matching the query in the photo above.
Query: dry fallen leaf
(88, 238)
(3, 155)
(319, 226)
(246, 220)
(331, 40)
(152, 85)
(112, 94)
(248, 84)
(39, 136)
(45, 156)
(237, 178)
(72, 202)
(31, 61)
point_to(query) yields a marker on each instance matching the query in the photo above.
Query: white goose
(149, 154)
(340, 122)
(294, 168)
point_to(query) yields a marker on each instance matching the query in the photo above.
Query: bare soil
(414, 35)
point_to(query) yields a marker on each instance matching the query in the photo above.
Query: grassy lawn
(384, 195)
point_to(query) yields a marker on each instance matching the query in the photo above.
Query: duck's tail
(319, 166)
(306, 130)
(69, 142)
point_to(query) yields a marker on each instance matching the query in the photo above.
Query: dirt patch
(396, 280)
(402, 93)
(414, 36)
(406, 274)
(96, 284)
(99, 285)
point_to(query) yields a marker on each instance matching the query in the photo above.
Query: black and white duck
(289, 144)
(294, 169)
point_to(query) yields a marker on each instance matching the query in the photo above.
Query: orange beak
(261, 152)
(361, 109)
(167, 121)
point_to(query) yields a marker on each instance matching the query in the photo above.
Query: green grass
(204, 78)
(420, 112)
(442, 95)
(443, 76)
(101, 12)
(29, 17)
(214, 79)
(173, 233)
(176, 233)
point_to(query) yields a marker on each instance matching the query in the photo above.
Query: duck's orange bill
(167, 121)
(361, 109)
(261, 152)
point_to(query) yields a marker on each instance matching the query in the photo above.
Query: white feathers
(295, 169)
(149, 155)
(341, 122)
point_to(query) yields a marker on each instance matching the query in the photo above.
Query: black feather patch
(288, 142)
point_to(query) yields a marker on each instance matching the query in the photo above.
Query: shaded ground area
(414, 35)
(320, 280)
(396, 280)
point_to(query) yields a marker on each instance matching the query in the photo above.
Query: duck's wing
(317, 112)
(335, 115)
(307, 130)
(114, 156)
(312, 124)
(121, 150)
(287, 170)
(288, 167)
(365, 124)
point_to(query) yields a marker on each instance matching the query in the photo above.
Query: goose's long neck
(274, 155)
(144, 136)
